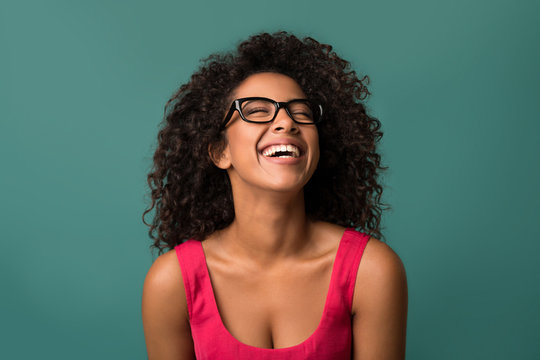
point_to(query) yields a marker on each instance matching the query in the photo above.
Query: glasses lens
(303, 111)
(258, 110)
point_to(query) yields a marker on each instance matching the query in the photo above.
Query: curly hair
(192, 197)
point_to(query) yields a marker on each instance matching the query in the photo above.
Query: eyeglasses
(264, 110)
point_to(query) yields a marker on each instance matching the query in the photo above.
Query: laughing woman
(267, 212)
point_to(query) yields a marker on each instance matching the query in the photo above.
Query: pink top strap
(331, 340)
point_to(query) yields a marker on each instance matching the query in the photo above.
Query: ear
(220, 155)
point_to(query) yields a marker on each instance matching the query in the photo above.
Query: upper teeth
(273, 149)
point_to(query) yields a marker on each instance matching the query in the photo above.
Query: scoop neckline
(324, 316)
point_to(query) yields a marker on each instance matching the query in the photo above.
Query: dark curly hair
(192, 197)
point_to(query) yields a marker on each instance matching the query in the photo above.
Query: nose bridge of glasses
(288, 115)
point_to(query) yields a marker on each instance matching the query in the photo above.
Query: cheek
(314, 144)
(242, 144)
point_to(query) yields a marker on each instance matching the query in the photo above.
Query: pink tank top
(331, 340)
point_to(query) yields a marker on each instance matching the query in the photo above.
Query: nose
(284, 123)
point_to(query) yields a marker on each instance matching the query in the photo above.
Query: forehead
(275, 86)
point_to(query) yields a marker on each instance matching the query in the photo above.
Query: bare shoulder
(380, 263)
(165, 275)
(381, 270)
(380, 304)
(164, 310)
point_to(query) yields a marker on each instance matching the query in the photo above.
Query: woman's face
(249, 157)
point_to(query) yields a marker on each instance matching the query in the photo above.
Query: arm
(380, 305)
(164, 311)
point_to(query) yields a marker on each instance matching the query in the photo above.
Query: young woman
(265, 189)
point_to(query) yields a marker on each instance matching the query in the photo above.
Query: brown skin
(271, 267)
(379, 303)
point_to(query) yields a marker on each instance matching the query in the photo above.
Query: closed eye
(253, 111)
(303, 115)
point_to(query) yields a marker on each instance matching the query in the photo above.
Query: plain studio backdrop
(82, 89)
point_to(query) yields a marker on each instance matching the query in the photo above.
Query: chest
(271, 309)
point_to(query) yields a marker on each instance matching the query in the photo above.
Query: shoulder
(164, 283)
(380, 278)
(165, 273)
(379, 304)
(164, 310)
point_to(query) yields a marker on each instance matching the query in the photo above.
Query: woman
(265, 166)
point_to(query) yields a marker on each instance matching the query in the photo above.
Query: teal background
(82, 90)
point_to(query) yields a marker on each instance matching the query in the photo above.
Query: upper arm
(380, 305)
(164, 311)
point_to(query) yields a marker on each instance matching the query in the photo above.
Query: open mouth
(281, 151)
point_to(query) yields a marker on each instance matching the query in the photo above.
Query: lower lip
(285, 160)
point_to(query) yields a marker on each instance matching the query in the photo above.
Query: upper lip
(283, 141)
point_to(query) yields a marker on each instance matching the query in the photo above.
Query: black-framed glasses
(264, 110)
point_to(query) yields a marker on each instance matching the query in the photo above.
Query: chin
(280, 183)
(287, 185)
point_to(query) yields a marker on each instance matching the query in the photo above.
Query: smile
(282, 151)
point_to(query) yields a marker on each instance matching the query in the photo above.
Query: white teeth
(273, 149)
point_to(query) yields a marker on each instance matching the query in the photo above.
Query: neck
(268, 226)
